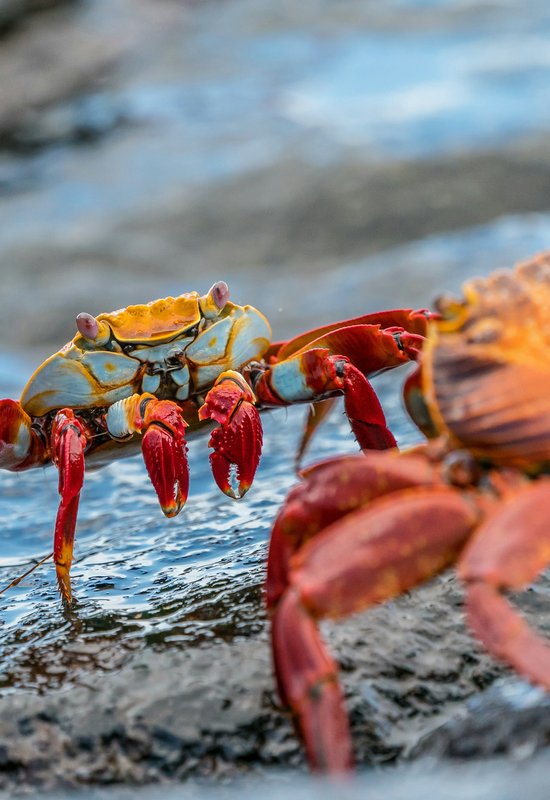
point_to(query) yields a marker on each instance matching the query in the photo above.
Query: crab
(362, 529)
(160, 371)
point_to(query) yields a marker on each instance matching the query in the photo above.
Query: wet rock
(170, 714)
(510, 718)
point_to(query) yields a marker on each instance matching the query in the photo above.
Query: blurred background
(325, 158)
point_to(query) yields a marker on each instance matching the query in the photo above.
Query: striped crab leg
(338, 363)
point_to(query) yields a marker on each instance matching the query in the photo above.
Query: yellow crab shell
(155, 322)
(134, 345)
(485, 373)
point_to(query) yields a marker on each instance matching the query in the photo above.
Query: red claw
(237, 443)
(165, 454)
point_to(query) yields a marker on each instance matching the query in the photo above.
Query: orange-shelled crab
(154, 372)
(360, 530)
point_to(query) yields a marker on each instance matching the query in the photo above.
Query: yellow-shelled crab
(152, 372)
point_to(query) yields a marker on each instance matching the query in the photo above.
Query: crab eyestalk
(91, 329)
(215, 300)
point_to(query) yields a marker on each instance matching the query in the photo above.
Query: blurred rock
(43, 65)
(12, 12)
(511, 718)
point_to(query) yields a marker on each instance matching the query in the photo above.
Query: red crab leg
(68, 443)
(331, 489)
(369, 556)
(317, 413)
(237, 442)
(414, 322)
(311, 368)
(508, 552)
(163, 446)
(20, 446)
(315, 375)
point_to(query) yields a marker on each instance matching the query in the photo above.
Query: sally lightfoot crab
(156, 372)
(360, 530)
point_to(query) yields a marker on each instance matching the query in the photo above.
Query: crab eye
(87, 325)
(220, 293)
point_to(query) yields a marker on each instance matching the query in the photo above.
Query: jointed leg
(317, 375)
(507, 553)
(68, 443)
(364, 557)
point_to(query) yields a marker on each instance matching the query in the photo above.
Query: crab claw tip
(226, 475)
(171, 509)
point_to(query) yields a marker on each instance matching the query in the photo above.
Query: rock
(511, 718)
(13, 12)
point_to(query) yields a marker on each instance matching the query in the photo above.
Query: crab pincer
(237, 442)
(165, 454)
(163, 445)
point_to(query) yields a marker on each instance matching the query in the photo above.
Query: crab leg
(316, 375)
(331, 489)
(508, 552)
(336, 360)
(370, 555)
(163, 446)
(20, 446)
(317, 413)
(237, 442)
(368, 327)
(68, 440)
